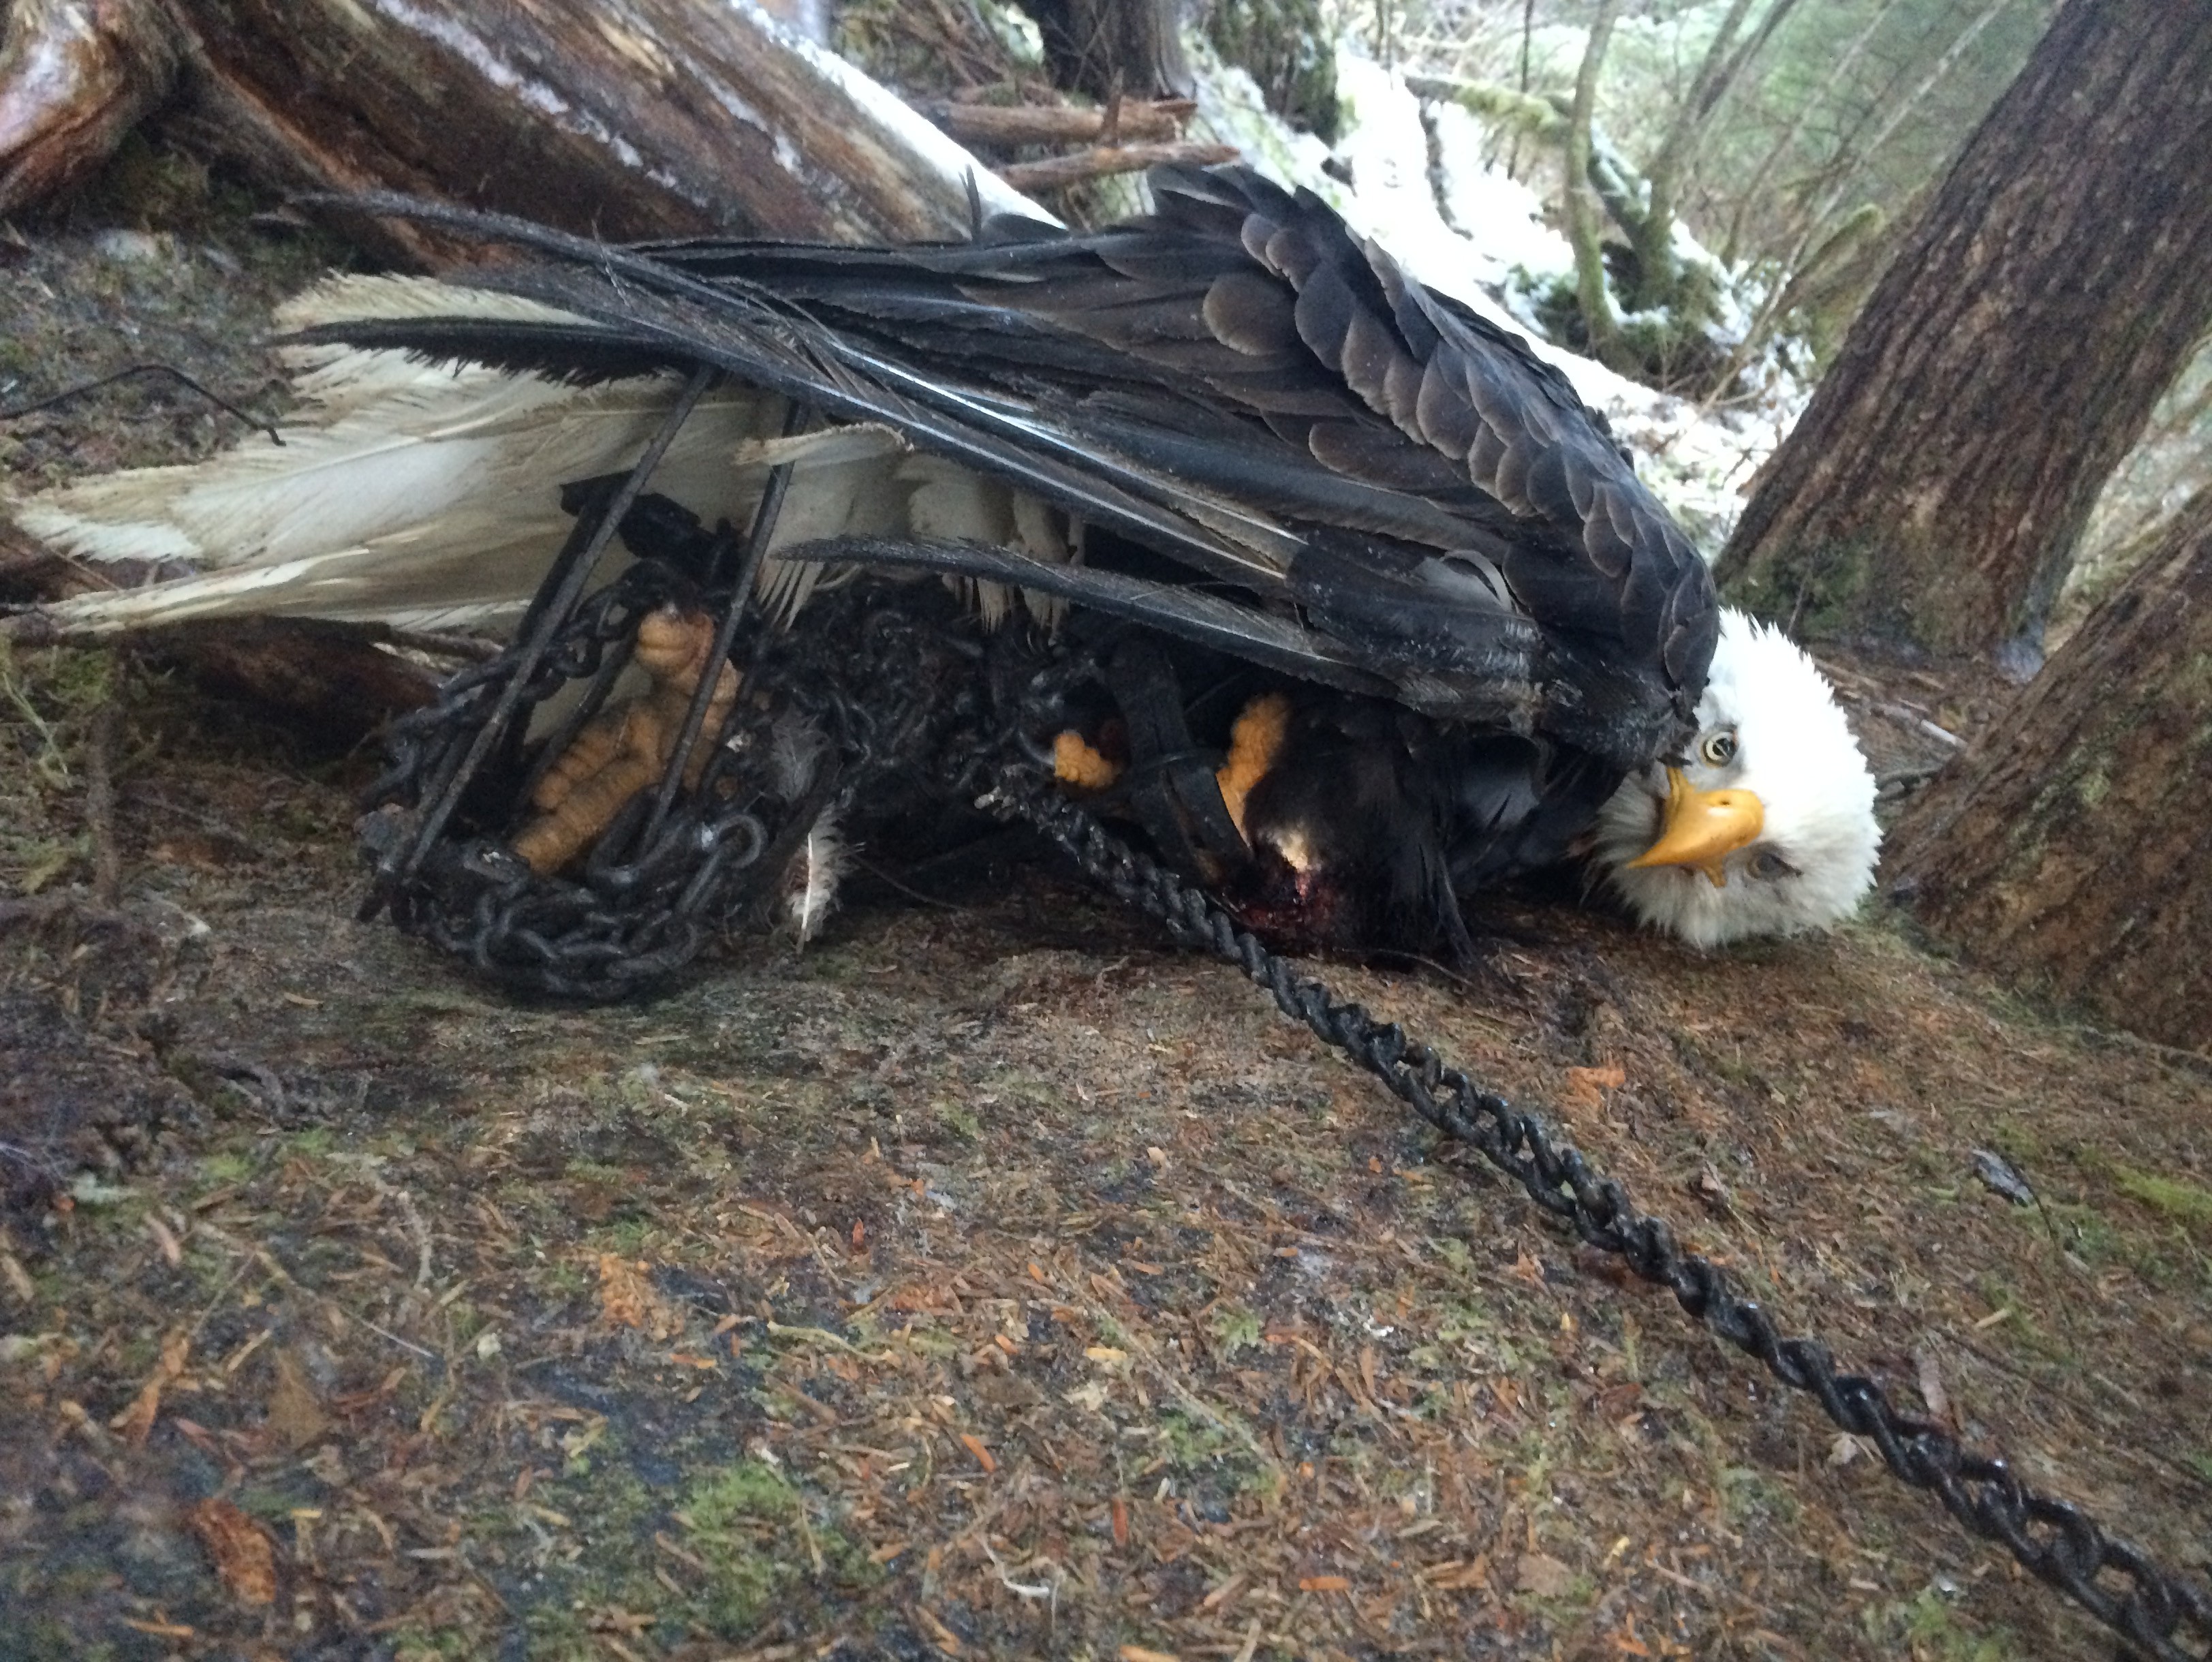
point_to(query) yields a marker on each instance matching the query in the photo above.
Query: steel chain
(634, 915)
(2055, 1541)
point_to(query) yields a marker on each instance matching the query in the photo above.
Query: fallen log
(75, 77)
(626, 118)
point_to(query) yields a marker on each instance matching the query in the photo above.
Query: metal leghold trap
(581, 813)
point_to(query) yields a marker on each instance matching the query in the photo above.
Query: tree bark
(2071, 849)
(1113, 48)
(83, 72)
(628, 119)
(1937, 486)
(1600, 322)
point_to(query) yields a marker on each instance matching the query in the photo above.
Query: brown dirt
(991, 1280)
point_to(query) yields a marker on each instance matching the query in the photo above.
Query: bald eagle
(1486, 646)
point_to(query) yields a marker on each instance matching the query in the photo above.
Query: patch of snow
(1499, 216)
(892, 123)
(1471, 232)
(1232, 111)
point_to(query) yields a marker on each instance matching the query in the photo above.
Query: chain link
(883, 687)
(2152, 1609)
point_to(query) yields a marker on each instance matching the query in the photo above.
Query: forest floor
(991, 1279)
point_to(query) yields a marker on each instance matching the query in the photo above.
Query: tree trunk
(1113, 48)
(1599, 323)
(1937, 486)
(628, 119)
(2071, 849)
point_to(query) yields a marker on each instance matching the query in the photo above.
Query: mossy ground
(992, 1281)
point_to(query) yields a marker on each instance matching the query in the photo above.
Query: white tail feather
(811, 880)
(427, 496)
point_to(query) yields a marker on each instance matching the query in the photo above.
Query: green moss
(2084, 1230)
(1826, 589)
(220, 1171)
(48, 698)
(2186, 1204)
(1754, 1498)
(1235, 1329)
(1929, 1628)
(749, 1526)
(958, 1120)
(625, 1238)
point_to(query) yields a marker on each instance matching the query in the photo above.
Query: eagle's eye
(1768, 865)
(1718, 749)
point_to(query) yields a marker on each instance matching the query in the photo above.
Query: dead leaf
(629, 1299)
(1541, 1573)
(1932, 1386)
(295, 1413)
(939, 1635)
(1323, 1584)
(1139, 1653)
(244, 1557)
(1460, 1575)
(1586, 1086)
(161, 1629)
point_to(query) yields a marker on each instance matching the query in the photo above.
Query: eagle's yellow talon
(1076, 762)
(622, 751)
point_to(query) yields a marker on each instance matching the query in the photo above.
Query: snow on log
(626, 118)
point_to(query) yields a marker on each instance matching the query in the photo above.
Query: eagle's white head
(1768, 826)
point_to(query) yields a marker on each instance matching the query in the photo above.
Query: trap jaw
(571, 835)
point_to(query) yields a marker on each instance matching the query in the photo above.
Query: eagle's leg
(401, 860)
(587, 775)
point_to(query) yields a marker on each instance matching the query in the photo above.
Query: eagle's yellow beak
(1701, 829)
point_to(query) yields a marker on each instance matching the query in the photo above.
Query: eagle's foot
(627, 750)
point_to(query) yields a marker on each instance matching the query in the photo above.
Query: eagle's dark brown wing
(1232, 381)
(1424, 453)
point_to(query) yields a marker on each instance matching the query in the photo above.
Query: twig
(1920, 724)
(1061, 124)
(99, 801)
(1057, 172)
(442, 644)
